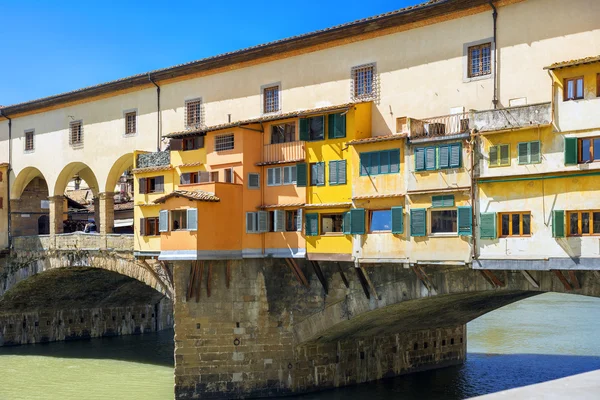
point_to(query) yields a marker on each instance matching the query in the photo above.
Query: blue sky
(50, 47)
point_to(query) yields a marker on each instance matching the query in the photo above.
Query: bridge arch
(22, 180)
(67, 174)
(122, 164)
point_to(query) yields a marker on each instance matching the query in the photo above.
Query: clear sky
(50, 47)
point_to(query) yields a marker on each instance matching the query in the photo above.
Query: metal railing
(290, 151)
(444, 125)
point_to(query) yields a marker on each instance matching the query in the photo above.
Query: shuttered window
(312, 128)
(163, 221)
(289, 175)
(515, 224)
(397, 220)
(251, 222)
(449, 155)
(151, 185)
(529, 152)
(499, 155)
(337, 172)
(570, 151)
(301, 174)
(317, 174)
(442, 201)
(299, 220)
(465, 221)
(253, 181)
(438, 157)
(279, 221)
(380, 162)
(430, 158)
(357, 221)
(336, 126)
(149, 226)
(381, 221)
(558, 223)
(192, 219)
(418, 222)
(274, 176)
(487, 226)
(312, 224)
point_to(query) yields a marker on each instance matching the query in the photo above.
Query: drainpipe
(9, 169)
(495, 17)
(473, 194)
(552, 98)
(158, 127)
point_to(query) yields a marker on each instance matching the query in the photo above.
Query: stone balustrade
(74, 241)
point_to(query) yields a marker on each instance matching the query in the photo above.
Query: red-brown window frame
(580, 149)
(29, 145)
(470, 60)
(130, 123)
(566, 87)
(275, 106)
(148, 222)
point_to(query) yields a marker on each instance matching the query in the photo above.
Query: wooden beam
(424, 278)
(209, 278)
(199, 283)
(363, 281)
(168, 272)
(530, 279)
(228, 273)
(563, 280)
(574, 280)
(493, 278)
(343, 275)
(297, 272)
(319, 273)
(597, 274)
(487, 278)
(190, 290)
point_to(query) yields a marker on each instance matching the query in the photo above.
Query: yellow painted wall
(188, 157)
(578, 114)
(377, 184)
(332, 243)
(145, 243)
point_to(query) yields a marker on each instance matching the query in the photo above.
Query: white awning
(121, 223)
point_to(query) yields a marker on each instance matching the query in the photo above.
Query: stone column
(56, 214)
(105, 212)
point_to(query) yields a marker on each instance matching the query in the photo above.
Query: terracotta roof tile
(198, 195)
(572, 63)
(329, 205)
(152, 169)
(376, 139)
(282, 205)
(378, 196)
(194, 164)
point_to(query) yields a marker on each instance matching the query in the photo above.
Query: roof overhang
(573, 63)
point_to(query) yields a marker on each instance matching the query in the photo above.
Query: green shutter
(534, 152)
(397, 220)
(504, 154)
(430, 163)
(333, 172)
(418, 222)
(336, 126)
(493, 160)
(465, 221)
(446, 200)
(455, 155)
(312, 224)
(420, 159)
(303, 129)
(347, 224)
(558, 224)
(487, 226)
(301, 174)
(570, 151)
(357, 221)
(523, 153)
(444, 156)
(394, 161)
(341, 172)
(365, 163)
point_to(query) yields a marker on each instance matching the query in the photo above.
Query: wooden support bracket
(597, 274)
(297, 271)
(530, 279)
(424, 278)
(574, 280)
(363, 281)
(228, 273)
(341, 271)
(209, 278)
(319, 273)
(496, 282)
(563, 280)
(199, 281)
(190, 289)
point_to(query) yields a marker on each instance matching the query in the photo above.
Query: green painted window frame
(336, 126)
(529, 153)
(498, 149)
(369, 155)
(421, 153)
(418, 231)
(442, 201)
(320, 164)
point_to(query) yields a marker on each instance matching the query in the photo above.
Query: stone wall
(56, 325)
(27, 210)
(155, 159)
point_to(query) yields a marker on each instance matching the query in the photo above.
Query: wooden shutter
(142, 227)
(250, 222)
(263, 221)
(163, 221)
(455, 155)
(418, 222)
(487, 226)
(365, 163)
(341, 172)
(321, 174)
(397, 220)
(444, 154)
(523, 153)
(357, 221)
(185, 178)
(159, 184)
(203, 176)
(192, 219)
(430, 158)
(304, 129)
(299, 220)
(534, 152)
(570, 151)
(465, 221)
(333, 172)
(270, 176)
(347, 223)
(558, 223)
(494, 159)
(279, 220)
(142, 185)
(395, 161)
(301, 175)
(176, 144)
(420, 159)
(504, 154)
(200, 142)
(446, 200)
(336, 126)
(312, 224)
(375, 163)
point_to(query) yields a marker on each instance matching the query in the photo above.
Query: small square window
(130, 123)
(480, 60)
(224, 142)
(363, 82)
(76, 133)
(271, 99)
(253, 181)
(444, 221)
(179, 220)
(332, 223)
(193, 113)
(573, 89)
(29, 140)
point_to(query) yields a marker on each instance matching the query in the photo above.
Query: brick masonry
(27, 210)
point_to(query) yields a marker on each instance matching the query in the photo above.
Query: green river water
(535, 340)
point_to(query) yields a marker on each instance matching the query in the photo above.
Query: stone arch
(25, 176)
(69, 171)
(121, 165)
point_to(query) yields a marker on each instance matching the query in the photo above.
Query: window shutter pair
(465, 221)
(304, 129)
(397, 220)
(442, 201)
(159, 184)
(499, 155)
(487, 226)
(274, 176)
(337, 172)
(142, 185)
(312, 224)
(336, 126)
(420, 159)
(418, 222)
(176, 144)
(142, 226)
(558, 224)
(570, 151)
(279, 220)
(301, 175)
(529, 152)
(163, 221)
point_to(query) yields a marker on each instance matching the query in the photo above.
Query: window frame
(430, 221)
(182, 224)
(197, 122)
(277, 99)
(362, 94)
(370, 153)
(579, 225)
(510, 224)
(257, 186)
(274, 174)
(310, 174)
(148, 222)
(332, 233)
(284, 125)
(72, 125)
(293, 175)
(481, 64)
(293, 220)
(566, 88)
(28, 149)
(371, 214)
(223, 137)
(529, 162)
(499, 152)
(126, 115)
(580, 149)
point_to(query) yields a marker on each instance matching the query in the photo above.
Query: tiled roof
(118, 206)
(376, 139)
(81, 196)
(194, 164)
(328, 205)
(378, 196)
(152, 169)
(266, 118)
(198, 195)
(260, 164)
(282, 205)
(572, 63)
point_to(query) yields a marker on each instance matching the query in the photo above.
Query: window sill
(333, 234)
(446, 235)
(468, 79)
(380, 232)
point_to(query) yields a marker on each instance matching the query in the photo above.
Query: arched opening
(119, 196)
(78, 186)
(29, 202)
(43, 225)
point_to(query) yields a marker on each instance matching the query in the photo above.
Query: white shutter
(279, 220)
(250, 222)
(203, 176)
(287, 179)
(299, 220)
(163, 221)
(270, 176)
(263, 221)
(192, 219)
(293, 174)
(277, 176)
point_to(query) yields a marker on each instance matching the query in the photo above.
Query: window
(29, 140)
(332, 223)
(317, 174)
(438, 157)
(178, 220)
(274, 176)
(380, 162)
(151, 185)
(529, 153)
(480, 60)
(337, 172)
(363, 81)
(515, 224)
(444, 221)
(499, 155)
(188, 178)
(381, 221)
(336, 126)
(130, 122)
(224, 142)
(193, 113)
(312, 128)
(229, 177)
(289, 175)
(278, 175)
(257, 222)
(588, 150)
(76, 133)
(582, 223)
(253, 181)
(192, 143)
(291, 221)
(149, 227)
(271, 99)
(573, 89)
(283, 133)
(597, 85)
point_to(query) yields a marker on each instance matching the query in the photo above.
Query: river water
(535, 340)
